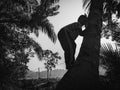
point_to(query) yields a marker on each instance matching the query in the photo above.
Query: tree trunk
(47, 74)
(84, 74)
(90, 47)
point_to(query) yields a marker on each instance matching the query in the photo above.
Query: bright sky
(69, 10)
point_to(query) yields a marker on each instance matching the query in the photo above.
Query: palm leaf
(37, 48)
(107, 49)
(86, 4)
(111, 55)
(48, 28)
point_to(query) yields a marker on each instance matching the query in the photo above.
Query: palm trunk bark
(84, 75)
(90, 47)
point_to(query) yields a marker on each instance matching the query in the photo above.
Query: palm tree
(98, 9)
(86, 74)
(39, 18)
(111, 7)
(90, 48)
(94, 28)
(19, 18)
(29, 15)
(95, 16)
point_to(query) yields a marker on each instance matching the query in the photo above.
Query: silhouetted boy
(67, 36)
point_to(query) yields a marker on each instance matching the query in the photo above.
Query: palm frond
(48, 3)
(107, 49)
(112, 61)
(111, 55)
(86, 4)
(37, 49)
(48, 28)
(40, 20)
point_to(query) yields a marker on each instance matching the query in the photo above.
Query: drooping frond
(49, 30)
(37, 48)
(86, 4)
(29, 14)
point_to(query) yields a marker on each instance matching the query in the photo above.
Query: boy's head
(83, 19)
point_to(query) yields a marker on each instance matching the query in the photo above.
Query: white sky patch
(78, 42)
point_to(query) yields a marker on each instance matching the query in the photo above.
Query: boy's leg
(68, 45)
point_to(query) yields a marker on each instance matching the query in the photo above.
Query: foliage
(111, 59)
(110, 56)
(109, 7)
(29, 15)
(111, 26)
(51, 59)
(15, 50)
(113, 32)
(19, 18)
